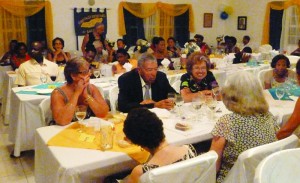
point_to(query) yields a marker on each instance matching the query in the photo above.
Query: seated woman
(198, 80)
(250, 125)
(21, 55)
(11, 52)
(297, 51)
(145, 129)
(280, 73)
(294, 121)
(160, 51)
(122, 57)
(76, 91)
(58, 55)
(243, 56)
(173, 51)
(231, 46)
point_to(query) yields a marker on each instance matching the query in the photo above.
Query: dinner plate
(44, 91)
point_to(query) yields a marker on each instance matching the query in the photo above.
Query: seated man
(30, 72)
(144, 86)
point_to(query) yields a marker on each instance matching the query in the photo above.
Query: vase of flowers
(191, 47)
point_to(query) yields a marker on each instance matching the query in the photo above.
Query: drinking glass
(172, 96)
(211, 103)
(179, 102)
(107, 134)
(279, 92)
(80, 114)
(43, 78)
(53, 77)
(96, 73)
(197, 103)
(217, 93)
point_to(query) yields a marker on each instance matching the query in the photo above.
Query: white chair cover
(282, 166)
(293, 59)
(261, 76)
(244, 168)
(176, 86)
(113, 98)
(196, 170)
(45, 111)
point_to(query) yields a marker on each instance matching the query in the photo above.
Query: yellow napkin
(70, 137)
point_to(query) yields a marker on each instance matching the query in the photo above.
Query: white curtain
(290, 33)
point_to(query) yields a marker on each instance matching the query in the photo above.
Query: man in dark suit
(144, 86)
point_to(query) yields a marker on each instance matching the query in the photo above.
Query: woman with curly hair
(142, 127)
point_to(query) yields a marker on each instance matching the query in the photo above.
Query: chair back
(196, 170)
(243, 169)
(282, 166)
(176, 85)
(45, 111)
(113, 98)
(261, 76)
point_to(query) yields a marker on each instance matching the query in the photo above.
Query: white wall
(253, 9)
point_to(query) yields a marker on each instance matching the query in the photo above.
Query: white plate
(44, 91)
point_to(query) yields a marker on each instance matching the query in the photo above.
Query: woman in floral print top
(250, 125)
(198, 80)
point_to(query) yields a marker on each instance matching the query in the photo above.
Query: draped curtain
(13, 26)
(276, 5)
(159, 14)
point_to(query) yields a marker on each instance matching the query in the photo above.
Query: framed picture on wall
(207, 20)
(242, 23)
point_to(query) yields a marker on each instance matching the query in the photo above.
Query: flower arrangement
(110, 43)
(219, 38)
(190, 47)
(142, 45)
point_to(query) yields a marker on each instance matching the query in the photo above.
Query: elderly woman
(250, 125)
(76, 91)
(280, 73)
(97, 34)
(145, 129)
(58, 55)
(198, 80)
(293, 123)
(122, 57)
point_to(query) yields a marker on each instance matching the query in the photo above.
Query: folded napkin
(161, 113)
(127, 66)
(165, 62)
(70, 137)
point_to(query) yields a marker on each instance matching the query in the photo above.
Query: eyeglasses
(86, 72)
(199, 68)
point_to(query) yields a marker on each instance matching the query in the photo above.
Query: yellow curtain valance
(144, 10)
(276, 5)
(29, 8)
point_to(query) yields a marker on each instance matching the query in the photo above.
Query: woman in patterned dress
(142, 127)
(249, 125)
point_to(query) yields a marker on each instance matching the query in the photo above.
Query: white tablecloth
(8, 84)
(3, 70)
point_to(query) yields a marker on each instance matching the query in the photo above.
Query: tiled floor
(14, 170)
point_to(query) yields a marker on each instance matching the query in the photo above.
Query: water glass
(106, 136)
(43, 78)
(197, 103)
(279, 92)
(96, 73)
(80, 114)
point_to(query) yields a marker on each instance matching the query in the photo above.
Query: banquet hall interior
(210, 18)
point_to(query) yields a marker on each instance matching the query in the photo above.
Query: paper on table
(161, 113)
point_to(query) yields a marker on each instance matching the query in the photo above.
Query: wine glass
(197, 103)
(217, 93)
(179, 102)
(279, 92)
(212, 103)
(80, 114)
(96, 73)
(43, 78)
